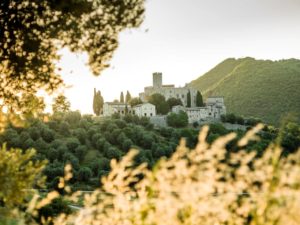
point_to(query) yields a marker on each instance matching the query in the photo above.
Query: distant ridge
(260, 88)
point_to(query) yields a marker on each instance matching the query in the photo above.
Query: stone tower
(157, 80)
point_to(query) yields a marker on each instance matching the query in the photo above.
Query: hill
(259, 88)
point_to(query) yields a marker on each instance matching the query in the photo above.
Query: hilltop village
(211, 110)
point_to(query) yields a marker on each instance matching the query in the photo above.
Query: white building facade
(109, 108)
(145, 109)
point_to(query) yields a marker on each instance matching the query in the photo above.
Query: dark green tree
(97, 102)
(188, 99)
(160, 103)
(122, 97)
(84, 174)
(173, 102)
(199, 99)
(32, 32)
(240, 120)
(177, 120)
(135, 101)
(231, 118)
(128, 97)
(73, 118)
(61, 104)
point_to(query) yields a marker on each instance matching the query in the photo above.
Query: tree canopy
(135, 101)
(32, 32)
(31, 105)
(177, 120)
(61, 104)
(173, 102)
(160, 103)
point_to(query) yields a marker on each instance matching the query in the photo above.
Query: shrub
(99, 164)
(72, 144)
(80, 152)
(80, 134)
(112, 153)
(73, 118)
(177, 120)
(240, 120)
(217, 128)
(84, 174)
(47, 135)
(127, 144)
(230, 118)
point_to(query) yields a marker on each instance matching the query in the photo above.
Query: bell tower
(157, 80)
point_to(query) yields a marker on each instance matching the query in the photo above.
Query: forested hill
(260, 88)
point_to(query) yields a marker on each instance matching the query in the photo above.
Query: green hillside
(260, 88)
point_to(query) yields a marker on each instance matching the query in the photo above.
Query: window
(145, 114)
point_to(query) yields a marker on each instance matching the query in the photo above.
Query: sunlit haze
(183, 40)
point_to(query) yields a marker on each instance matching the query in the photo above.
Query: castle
(213, 109)
(168, 91)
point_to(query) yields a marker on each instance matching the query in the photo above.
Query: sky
(183, 39)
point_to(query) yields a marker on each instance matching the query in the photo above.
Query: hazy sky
(184, 39)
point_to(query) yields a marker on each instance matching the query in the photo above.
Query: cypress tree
(97, 102)
(122, 97)
(199, 99)
(188, 99)
(128, 97)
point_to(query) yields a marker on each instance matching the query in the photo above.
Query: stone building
(216, 107)
(109, 108)
(145, 109)
(212, 110)
(168, 91)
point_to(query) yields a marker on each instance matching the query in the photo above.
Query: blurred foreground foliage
(33, 31)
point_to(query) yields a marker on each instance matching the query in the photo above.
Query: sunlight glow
(183, 42)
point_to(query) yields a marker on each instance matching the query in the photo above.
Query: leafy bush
(177, 120)
(84, 174)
